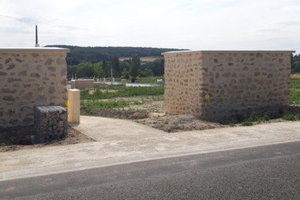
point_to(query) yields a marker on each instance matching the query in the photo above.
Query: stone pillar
(221, 85)
(30, 77)
(73, 106)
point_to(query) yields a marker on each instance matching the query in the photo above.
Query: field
(295, 91)
(145, 105)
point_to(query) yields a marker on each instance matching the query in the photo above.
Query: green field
(121, 91)
(295, 91)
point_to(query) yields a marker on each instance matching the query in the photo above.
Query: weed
(232, 125)
(2, 144)
(247, 123)
(294, 96)
(291, 117)
(254, 117)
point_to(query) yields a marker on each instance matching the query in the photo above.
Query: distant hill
(96, 54)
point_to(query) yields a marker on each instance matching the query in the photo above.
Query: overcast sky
(190, 24)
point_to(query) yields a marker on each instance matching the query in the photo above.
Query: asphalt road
(266, 172)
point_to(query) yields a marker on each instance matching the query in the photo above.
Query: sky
(186, 24)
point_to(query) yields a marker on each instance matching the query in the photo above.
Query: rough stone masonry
(220, 85)
(29, 77)
(50, 123)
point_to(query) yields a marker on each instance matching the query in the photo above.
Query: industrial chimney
(36, 37)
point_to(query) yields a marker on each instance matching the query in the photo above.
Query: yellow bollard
(73, 106)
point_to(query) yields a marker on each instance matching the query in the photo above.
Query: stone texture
(50, 123)
(28, 78)
(218, 85)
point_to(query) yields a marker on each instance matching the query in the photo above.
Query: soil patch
(113, 113)
(92, 91)
(154, 106)
(151, 113)
(175, 123)
(73, 137)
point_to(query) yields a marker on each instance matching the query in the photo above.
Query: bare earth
(174, 123)
(152, 114)
(73, 137)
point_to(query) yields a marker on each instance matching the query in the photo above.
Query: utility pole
(36, 37)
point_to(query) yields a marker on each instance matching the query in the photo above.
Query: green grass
(295, 84)
(294, 97)
(254, 118)
(115, 104)
(123, 91)
(295, 91)
(104, 104)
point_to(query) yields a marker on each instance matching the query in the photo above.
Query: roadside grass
(257, 118)
(122, 91)
(254, 118)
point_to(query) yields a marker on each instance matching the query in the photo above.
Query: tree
(85, 70)
(134, 67)
(99, 73)
(106, 69)
(116, 67)
(71, 71)
(296, 64)
(125, 66)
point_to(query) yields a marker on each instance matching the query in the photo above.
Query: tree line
(296, 63)
(127, 69)
(79, 54)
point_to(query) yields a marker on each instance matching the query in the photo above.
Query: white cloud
(193, 24)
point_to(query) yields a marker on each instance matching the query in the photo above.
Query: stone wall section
(220, 84)
(30, 77)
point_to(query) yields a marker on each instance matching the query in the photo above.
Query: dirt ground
(73, 137)
(152, 114)
(175, 123)
(156, 118)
